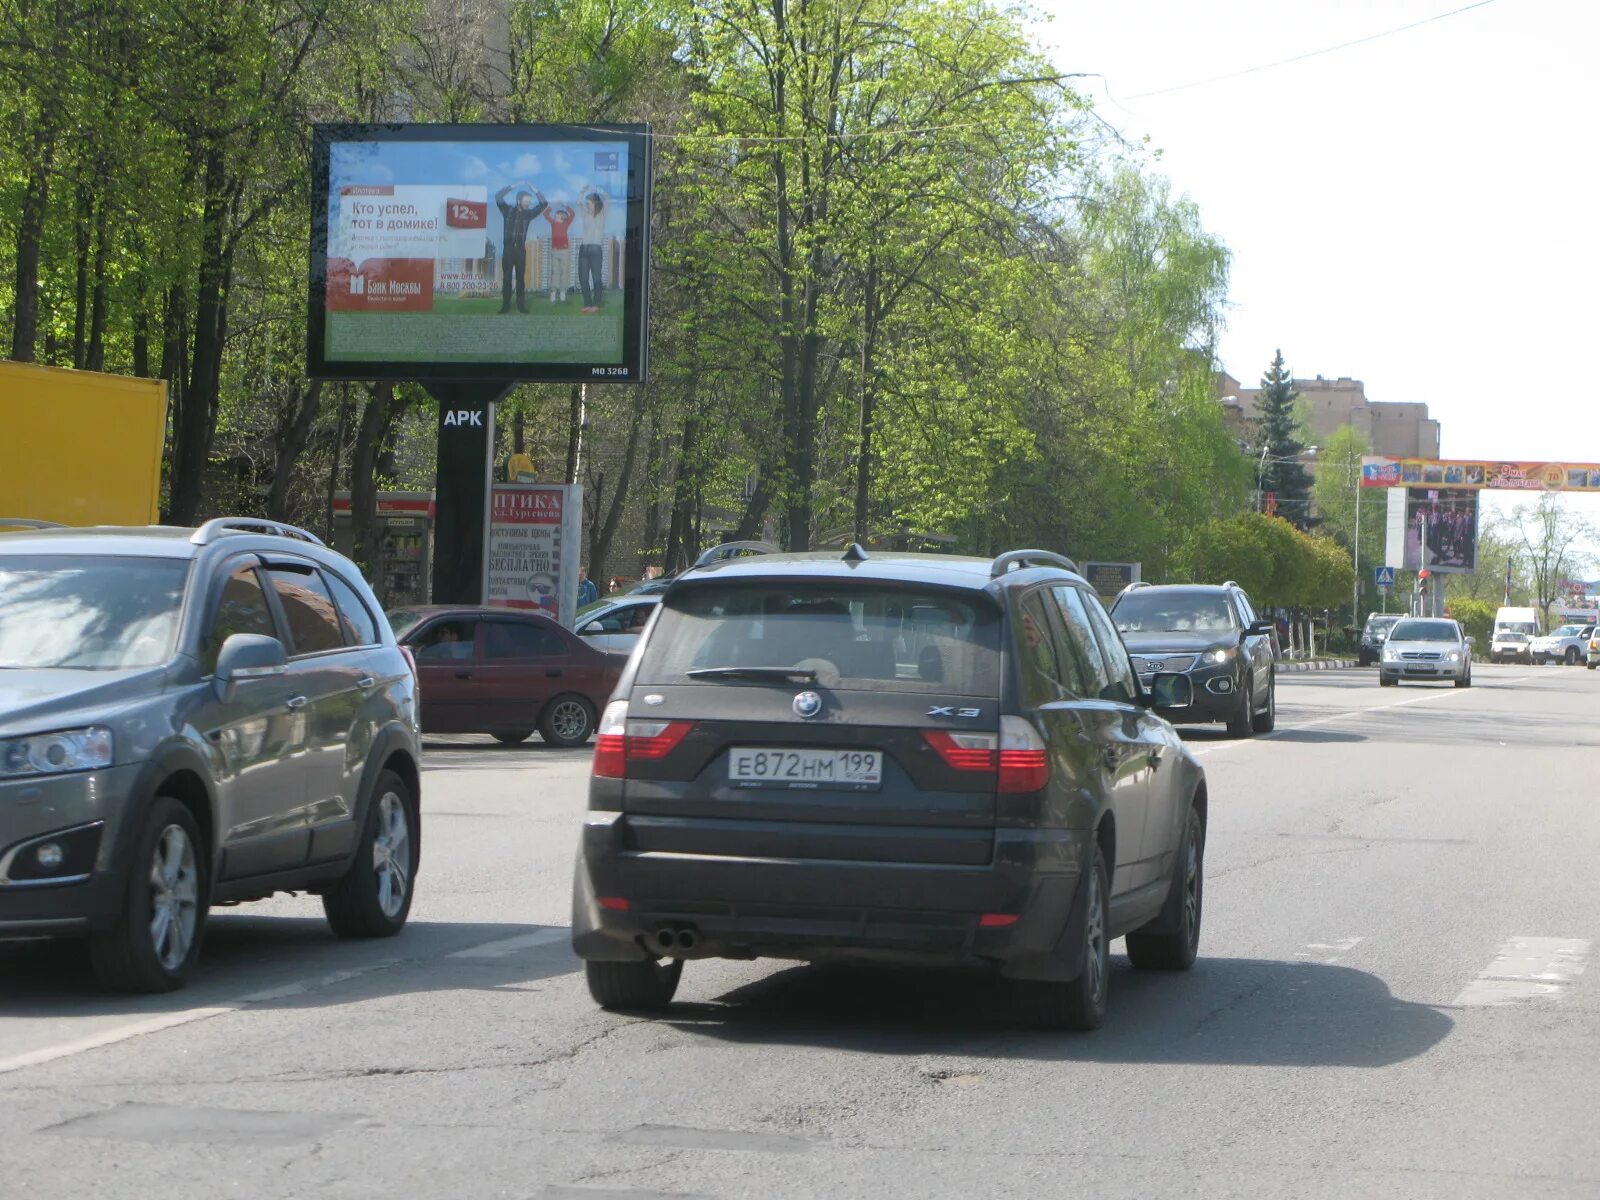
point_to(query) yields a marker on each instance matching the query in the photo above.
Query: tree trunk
(574, 432)
(195, 412)
(600, 538)
(83, 236)
(95, 358)
(868, 401)
(30, 232)
(375, 417)
(292, 438)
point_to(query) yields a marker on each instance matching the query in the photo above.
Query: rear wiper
(774, 674)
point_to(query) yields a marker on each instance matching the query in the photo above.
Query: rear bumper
(816, 910)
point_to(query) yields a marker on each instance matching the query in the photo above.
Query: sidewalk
(1316, 664)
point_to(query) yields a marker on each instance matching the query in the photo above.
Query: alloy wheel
(391, 854)
(1094, 937)
(1191, 888)
(174, 897)
(570, 720)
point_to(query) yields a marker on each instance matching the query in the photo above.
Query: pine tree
(1282, 473)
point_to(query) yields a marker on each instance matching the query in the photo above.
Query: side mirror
(592, 627)
(248, 656)
(1171, 692)
(1471, 641)
(1261, 628)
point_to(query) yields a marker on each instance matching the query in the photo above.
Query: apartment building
(1399, 429)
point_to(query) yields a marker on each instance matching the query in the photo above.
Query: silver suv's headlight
(56, 753)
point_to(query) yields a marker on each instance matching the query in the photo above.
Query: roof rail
(28, 523)
(734, 550)
(1138, 583)
(221, 526)
(1231, 583)
(1024, 557)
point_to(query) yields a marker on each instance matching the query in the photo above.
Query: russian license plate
(849, 770)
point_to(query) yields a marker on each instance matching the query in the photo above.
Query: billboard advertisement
(1109, 578)
(501, 252)
(1441, 530)
(533, 548)
(1480, 474)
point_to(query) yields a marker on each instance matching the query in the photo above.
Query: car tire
(373, 899)
(1078, 1005)
(1386, 680)
(567, 721)
(646, 986)
(1591, 666)
(1176, 950)
(1465, 680)
(1240, 723)
(156, 940)
(1570, 658)
(1266, 722)
(512, 739)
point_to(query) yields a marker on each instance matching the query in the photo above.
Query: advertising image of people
(1444, 522)
(476, 251)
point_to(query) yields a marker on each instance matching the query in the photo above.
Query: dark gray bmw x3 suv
(904, 758)
(196, 717)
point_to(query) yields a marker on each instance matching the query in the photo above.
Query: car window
(867, 636)
(242, 608)
(1041, 669)
(1076, 648)
(1121, 683)
(520, 640)
(630, 618)
(446, 641)
(358, 618)
(1426, 631)
(308, 610)
(1152, 610)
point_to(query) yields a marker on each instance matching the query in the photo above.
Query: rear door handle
(463, 674)
(553, 673)
(295, 702)
(365, 682)
(1155, 759)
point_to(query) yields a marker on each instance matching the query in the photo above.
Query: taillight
(1024, 764)
(963, 751)
(1018, 754)
(619, 741)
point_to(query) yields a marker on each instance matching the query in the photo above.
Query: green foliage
(1476, 618)
(1280, 471)
(1277, 564)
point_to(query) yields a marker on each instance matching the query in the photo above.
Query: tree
(1499, 543)
(1549, 540)
(1335, 494)
(1280, 439)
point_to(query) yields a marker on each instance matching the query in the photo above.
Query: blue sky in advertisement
(558, 169)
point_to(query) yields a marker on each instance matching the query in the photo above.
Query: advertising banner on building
(1480, 475)
(1442, 530)
(513, 252)
(534, 548)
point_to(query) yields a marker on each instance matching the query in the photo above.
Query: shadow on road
(1243, 1012)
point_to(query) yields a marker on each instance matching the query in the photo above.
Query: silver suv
(196, 717)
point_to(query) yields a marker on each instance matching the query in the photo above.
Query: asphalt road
(1391, 1001)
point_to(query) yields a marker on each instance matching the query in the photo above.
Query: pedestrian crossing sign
(1383, 576)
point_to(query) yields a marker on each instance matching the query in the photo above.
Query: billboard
(1480, 474)
(1109, 578)
(533, 548)
(1442, 530)
(497, 252)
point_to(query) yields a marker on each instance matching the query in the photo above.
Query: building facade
(1398, 429)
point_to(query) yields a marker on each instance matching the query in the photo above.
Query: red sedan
(505, 673)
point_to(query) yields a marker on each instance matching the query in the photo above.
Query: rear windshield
(1374, 624)
(856, 638)
(1426, 631)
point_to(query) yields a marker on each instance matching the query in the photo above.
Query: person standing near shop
(514, 242)
(592, 210)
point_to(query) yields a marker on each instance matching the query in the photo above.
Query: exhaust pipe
(688, 939)
(666, 938)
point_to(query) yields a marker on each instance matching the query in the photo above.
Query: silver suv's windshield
(1426, 631)
(1173, 612)
(1381, 624)
(91, 613)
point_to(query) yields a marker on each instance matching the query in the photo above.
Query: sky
(1415, 212)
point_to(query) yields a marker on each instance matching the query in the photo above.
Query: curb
(1326, 664)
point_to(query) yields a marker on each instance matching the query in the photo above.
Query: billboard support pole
(465, 468)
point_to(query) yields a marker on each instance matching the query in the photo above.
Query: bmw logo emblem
(807, 704)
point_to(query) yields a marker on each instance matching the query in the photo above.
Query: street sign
(1383, 576)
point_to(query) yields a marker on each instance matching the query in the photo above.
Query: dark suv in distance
(1212, 635)
(893, 757)
(190, 718)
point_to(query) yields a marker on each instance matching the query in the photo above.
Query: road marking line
(1527, 968)
(1328, 720)
(1328, 953)
(506, 946)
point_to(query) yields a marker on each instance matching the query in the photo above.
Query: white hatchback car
(616, 626)
(1426, 648)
